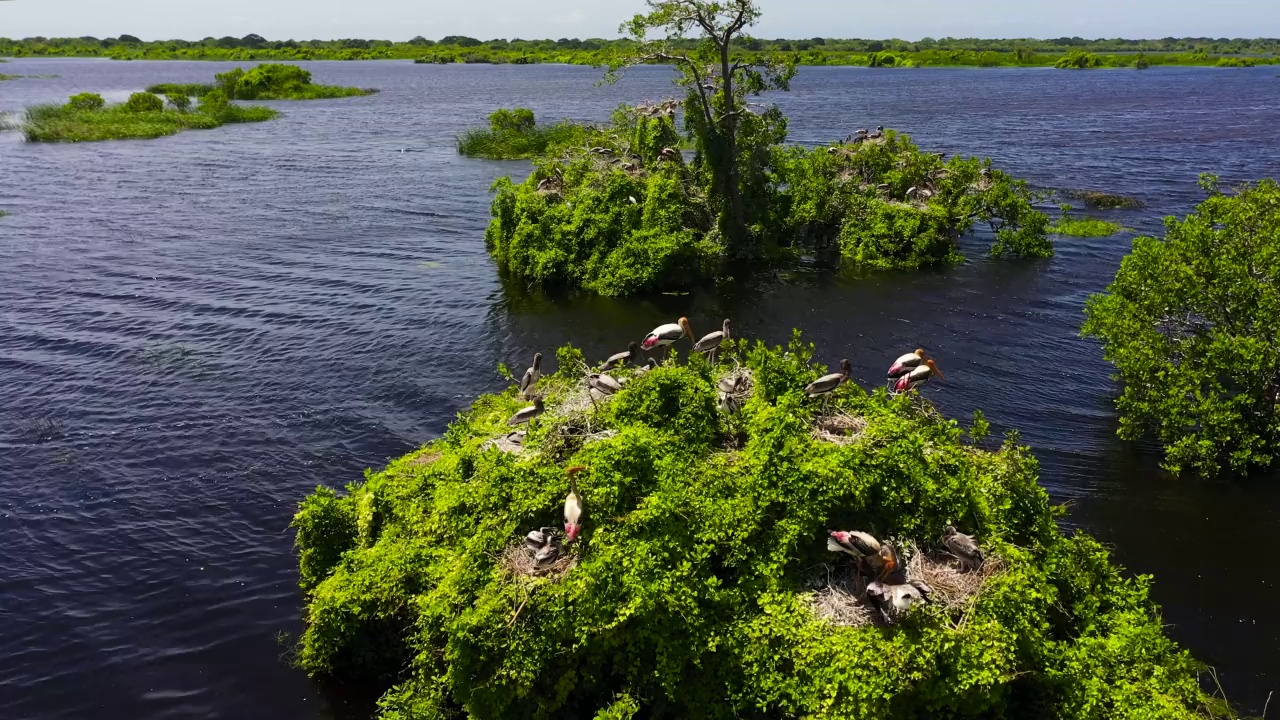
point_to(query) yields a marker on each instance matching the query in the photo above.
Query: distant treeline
(811, 51)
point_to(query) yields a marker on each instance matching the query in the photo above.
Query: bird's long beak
(939, 372)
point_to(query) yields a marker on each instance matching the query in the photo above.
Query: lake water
(195, 331)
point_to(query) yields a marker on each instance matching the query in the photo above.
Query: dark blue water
(195, 331)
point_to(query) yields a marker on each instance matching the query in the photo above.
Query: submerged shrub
(1190, 324)
(86, 101)
(144, 102)
(1079, 60)
(690, 591)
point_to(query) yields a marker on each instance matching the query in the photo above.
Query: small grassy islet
(268, 81)
(87, 118)
(516, 135)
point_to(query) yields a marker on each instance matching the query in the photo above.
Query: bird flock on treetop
(889, 590)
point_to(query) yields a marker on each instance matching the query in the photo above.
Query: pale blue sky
(403, 19)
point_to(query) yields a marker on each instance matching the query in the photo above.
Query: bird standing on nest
(963, 547)
(825, 385)
(875, 559)
(573, 506)
(893, 601)
(530, 380)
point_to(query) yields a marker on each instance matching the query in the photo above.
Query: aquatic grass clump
(1083, 227)
(516, 135)
(195, 90)
(691, 590)
(86, 119)
(279, 82)
(1105, 200)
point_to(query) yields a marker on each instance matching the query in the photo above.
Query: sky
(530, 19)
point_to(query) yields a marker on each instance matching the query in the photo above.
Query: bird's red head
(684, 323)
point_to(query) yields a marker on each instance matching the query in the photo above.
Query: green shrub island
(1191, 323)
(86, 117)
(623, 210)
(702, 584)
(516, 134)
(1083, 227)
(264, 82)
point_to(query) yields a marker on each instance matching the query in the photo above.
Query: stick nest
(839, 594)
(518, 560)
(840, 428)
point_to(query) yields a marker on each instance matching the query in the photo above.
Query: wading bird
(530, 379)
(711, 341)
(604, 385)
(573, 506)
(524, 415)
(879, 133)
(537, 539)
(963, 547)
(618, 360)
(918, 377)
(666, 335)
(906, 363)
(826, 384)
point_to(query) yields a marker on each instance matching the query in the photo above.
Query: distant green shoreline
(948, 52)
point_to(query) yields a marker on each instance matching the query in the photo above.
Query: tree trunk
(735, 230)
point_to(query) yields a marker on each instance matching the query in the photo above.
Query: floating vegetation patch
(1085, 227)
(1103, 200)
(87, 118)
(264, 82)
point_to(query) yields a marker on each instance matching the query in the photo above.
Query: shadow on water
(222, 320)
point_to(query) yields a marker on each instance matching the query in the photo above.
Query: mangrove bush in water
(702, 585)
(1082, 227)
(625, 212)
(515, 134)
(86, 118)
(264, 82)
(1192, 324)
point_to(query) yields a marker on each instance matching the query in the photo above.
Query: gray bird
(825, 385)
(963, 547)
(618, 360)
(524, 415)
(893, 601)
(530, 379)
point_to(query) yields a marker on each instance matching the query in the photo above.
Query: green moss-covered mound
(625, 211)
(693, 590)
(265, 82)
(87, 118)
(515, 134)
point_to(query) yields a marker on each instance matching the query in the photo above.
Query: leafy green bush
(86, 101)
(703, 537)
(1079, 60)
(515, 134)
(180, 102)
(187, 89)
(144, 102)
(1190, 324)
(1083, 227)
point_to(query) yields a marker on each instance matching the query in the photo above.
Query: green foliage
(688, 599)
(180, 102)
(971, 52)
(144, 102)
(1085, 227)
(84, 119)
(515, 134)
(1104, 200)
(186, 89)
(268, 82)
(1079, 60)
(887, 204)
(1191, 323)
(1236, 62)
(86, 101)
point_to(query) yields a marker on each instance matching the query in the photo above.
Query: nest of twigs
(954, 585)
(840, 428)
(735, 387)
(512, 442)
(425, 458)
(518, 560)
(840, 593)
(841, 598)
